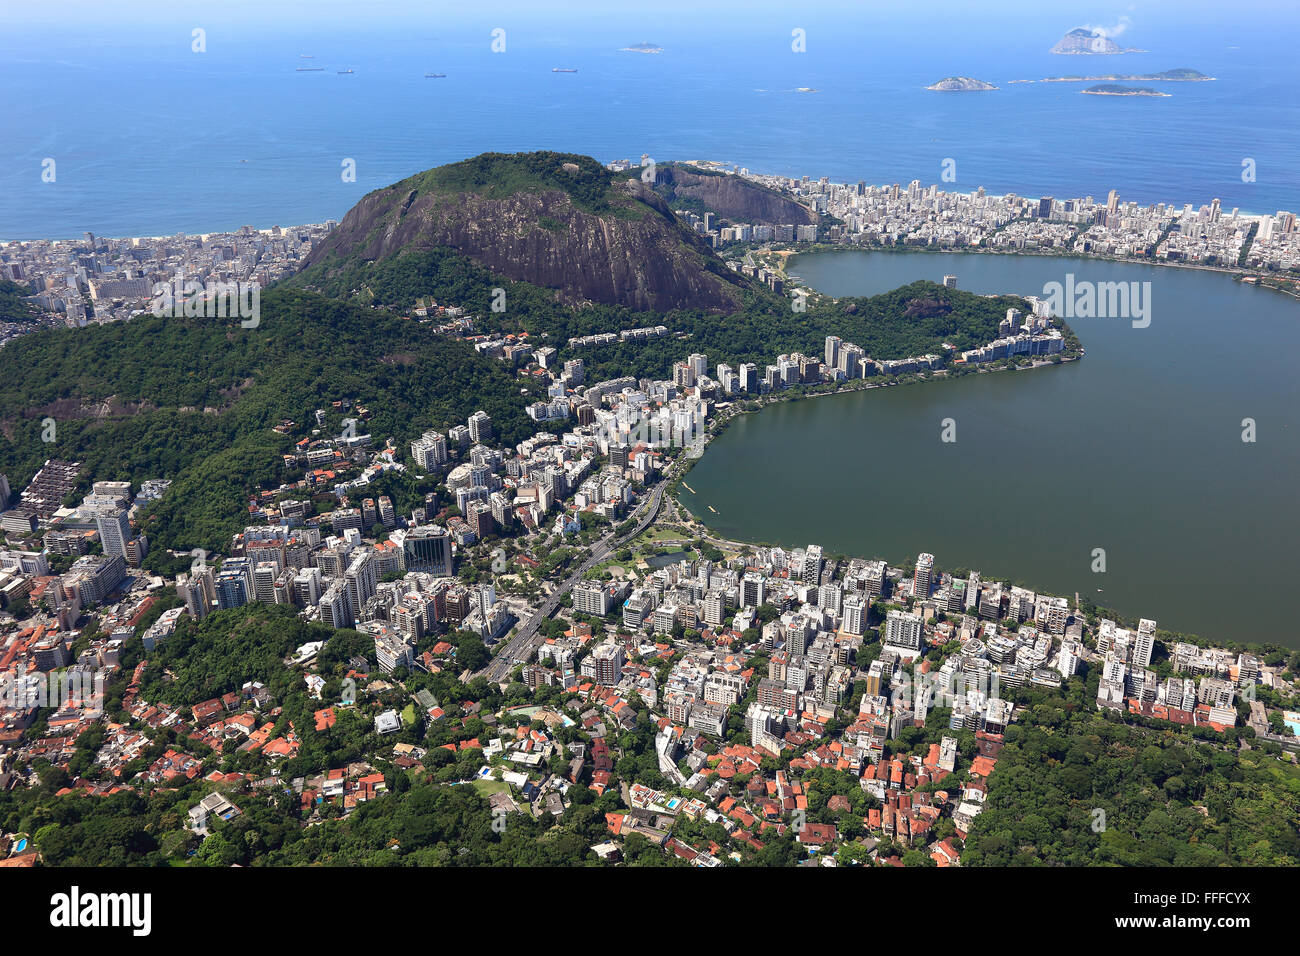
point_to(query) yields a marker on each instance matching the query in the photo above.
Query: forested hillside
(195, 400)
(1075, 787)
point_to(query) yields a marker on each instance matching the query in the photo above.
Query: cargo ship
(435, 76)
(560, 69)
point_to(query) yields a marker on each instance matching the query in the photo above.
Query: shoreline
(709, 163)
(718, 538)
(818, 248)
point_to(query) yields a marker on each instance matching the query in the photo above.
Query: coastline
(787, 252)
(707, 163)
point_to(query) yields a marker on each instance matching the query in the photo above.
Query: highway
(526, 639)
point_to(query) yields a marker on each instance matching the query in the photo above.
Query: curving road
(527, 639)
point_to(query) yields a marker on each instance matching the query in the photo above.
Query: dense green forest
(418, 823)
(218, 655)
(1165, 797)
(12, 306)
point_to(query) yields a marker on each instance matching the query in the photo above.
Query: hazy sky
(927, 16)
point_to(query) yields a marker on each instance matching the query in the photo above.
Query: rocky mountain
(730, 197)
(554, 220)
(1081, 40)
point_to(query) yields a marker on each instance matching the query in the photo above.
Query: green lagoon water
(1136, 449)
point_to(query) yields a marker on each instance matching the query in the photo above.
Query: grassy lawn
(488, 787)
(664, 534)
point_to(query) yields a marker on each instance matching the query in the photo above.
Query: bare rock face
(624, 248)
(731, 197)
(927, 308)
(1081, 40)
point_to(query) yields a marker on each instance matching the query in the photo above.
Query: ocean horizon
(150, 138)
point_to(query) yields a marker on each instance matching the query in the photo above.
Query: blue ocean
(149, 137)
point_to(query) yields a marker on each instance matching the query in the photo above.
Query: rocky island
(643, 47)
(960, 84)
(1181, 75)
(1114, 89)
(1082, 41)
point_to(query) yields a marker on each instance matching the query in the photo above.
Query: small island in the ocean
(1083, 41)
(1181, 75)
(960, 84)
(642, 47)
(1114, 89)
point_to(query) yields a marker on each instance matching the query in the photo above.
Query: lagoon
(1136, 449)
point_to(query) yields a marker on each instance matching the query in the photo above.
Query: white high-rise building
(903, 631)
(832, 351)
(1144, 643)
(850, 360)
(924, 576)
(114, 531)
(480, 428)
(1067, 662)
(812, 564)
(307, 586)
(430, 450)
(609, 663)
(855, 615)
(361, 580)
(830, 597)
(334, 609)
(1051, 613)
(264, 575)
